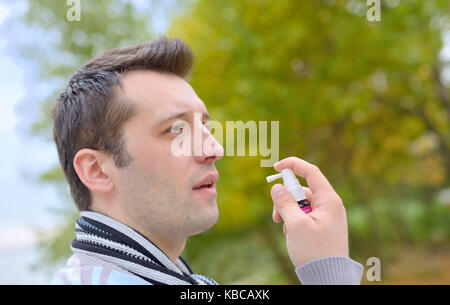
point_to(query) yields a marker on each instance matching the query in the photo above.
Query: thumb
(285, 204)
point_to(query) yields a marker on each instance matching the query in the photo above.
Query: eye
(176, 127)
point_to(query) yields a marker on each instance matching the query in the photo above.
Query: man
(113, 128)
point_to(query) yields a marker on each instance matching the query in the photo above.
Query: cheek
(170, 169)
(148, 154)
(154, 157)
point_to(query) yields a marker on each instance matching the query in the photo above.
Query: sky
(25, 204)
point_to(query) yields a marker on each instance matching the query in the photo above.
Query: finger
(308, 193)
(276, 216)
(314, 177)
(285, 204)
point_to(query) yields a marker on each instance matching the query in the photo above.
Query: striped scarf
(107, 239)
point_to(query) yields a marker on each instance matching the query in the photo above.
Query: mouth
(207, 185)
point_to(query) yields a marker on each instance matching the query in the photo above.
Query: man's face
(157, 188)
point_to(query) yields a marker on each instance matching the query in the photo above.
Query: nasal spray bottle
(294, 187)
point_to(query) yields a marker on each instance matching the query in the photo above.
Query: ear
(94, 170)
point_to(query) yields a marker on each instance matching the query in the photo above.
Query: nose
(211, 150)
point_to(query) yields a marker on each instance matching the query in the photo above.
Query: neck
(172, 248)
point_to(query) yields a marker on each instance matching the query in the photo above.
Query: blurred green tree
(362, 100)
(367, 93)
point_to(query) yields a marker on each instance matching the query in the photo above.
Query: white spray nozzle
(273, 178)
(290, 182)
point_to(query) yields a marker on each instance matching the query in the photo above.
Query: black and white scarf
(107, 239)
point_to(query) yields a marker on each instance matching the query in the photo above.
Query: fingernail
(277, 190)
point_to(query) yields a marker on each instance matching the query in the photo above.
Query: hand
(321, 233)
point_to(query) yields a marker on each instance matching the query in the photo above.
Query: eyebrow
(205, 116)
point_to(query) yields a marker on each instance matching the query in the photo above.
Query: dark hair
(88, 113)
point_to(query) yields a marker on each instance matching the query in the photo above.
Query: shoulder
(83, 269)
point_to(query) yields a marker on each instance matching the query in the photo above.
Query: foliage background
(365, 101)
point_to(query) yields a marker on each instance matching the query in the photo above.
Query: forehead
(158, 94)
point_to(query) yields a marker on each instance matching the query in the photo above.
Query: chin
(207, 220)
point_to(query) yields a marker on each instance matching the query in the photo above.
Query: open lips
(208, 181)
